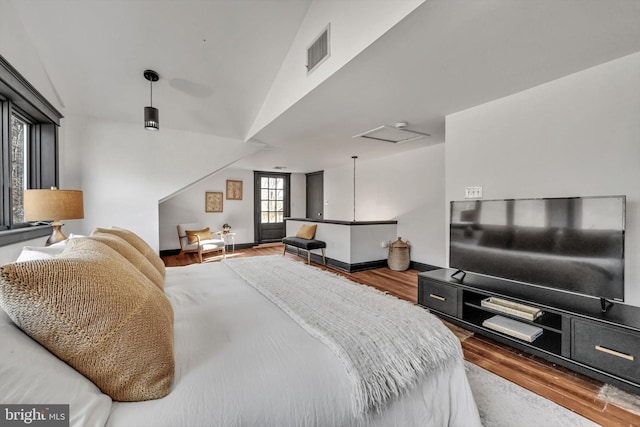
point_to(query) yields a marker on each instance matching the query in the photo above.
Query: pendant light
(151, 116)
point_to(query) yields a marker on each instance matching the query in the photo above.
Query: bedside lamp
(44, 205)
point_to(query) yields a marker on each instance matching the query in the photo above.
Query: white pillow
(29, 374)
(30, 253)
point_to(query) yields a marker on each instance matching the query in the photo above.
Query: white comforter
(241, 361)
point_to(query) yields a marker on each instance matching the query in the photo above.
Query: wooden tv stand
(576, 333)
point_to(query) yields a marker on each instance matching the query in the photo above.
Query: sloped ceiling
(446, 56)
(217, 60)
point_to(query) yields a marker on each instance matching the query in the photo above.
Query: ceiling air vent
(318, 51)
(395, 134)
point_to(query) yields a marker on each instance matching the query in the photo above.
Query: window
(28, 151)
(271, 200)
(18, 134)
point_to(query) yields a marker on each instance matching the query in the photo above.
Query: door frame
(257, 175)
(308, 212)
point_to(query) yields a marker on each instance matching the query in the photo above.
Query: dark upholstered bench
(306, 244)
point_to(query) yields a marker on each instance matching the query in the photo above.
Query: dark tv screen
(571, 244)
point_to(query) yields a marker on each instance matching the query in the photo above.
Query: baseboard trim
(241, 246)
(353, 268)
(267, 245)
(171, 252)
(421, 267)
(343, 266)
(340, 265)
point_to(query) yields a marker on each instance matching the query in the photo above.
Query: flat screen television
(572, 244)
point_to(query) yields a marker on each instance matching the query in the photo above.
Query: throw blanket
(386, 344)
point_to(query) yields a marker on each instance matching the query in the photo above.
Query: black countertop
(333, 221)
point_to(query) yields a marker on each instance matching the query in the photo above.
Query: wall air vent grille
(319, 50)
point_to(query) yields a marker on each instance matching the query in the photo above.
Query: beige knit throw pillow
(132, 255)
(98, 313)
(137, 242)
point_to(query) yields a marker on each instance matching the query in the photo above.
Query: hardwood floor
(569, 389)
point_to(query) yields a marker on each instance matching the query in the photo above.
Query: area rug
(502, 403)
(615, 396)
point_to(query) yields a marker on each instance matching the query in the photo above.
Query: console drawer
(440, 297)
(609, 349)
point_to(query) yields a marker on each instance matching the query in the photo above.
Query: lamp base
(56, 234)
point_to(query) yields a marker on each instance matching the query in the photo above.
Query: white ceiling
(447, 56)
(217, 60)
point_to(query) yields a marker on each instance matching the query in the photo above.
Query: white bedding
(241, 361)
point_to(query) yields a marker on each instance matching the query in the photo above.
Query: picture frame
(213, 201)
(234, 189)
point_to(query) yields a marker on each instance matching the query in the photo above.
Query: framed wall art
(213, 201)
(234, 190)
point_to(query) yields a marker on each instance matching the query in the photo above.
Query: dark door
(315, 195)
(271, 206)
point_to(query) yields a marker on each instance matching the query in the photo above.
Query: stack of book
(512, 308)
(513, 328)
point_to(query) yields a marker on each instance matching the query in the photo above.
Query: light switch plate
(473, 192)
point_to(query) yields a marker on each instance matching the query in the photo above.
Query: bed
(240, 360)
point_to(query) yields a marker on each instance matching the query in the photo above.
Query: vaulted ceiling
(218, 60)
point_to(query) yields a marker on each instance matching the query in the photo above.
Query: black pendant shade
(151, 115)
(151, 118)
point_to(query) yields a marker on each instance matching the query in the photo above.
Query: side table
(225, 236)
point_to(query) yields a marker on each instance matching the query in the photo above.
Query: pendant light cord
(354, 186)
(151, 83)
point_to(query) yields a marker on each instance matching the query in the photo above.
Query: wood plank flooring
(569, 389)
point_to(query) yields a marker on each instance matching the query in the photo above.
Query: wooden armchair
(198, 244)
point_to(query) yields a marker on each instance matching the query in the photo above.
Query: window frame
(18, 96)
(263, 229)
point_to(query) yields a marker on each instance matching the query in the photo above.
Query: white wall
(188, 206)
(407, 187)
(366, 242)
(16, 47)
(350, 244)
(298, 190)
(355, 24)
(126, 170)
(575, 136)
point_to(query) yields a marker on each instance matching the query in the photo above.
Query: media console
(576, 333)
